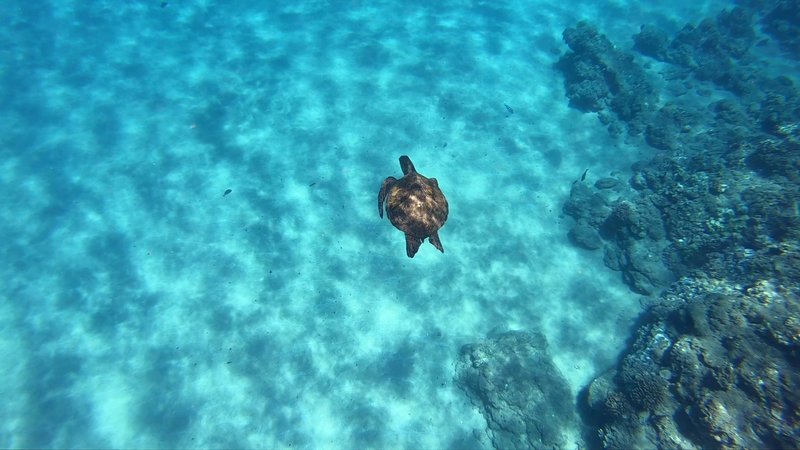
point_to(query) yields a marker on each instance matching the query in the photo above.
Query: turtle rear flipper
(434, 239)
(387, 183)
(412, 245)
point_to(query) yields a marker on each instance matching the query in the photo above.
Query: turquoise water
(143, 307)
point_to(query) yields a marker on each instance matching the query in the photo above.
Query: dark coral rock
(584, 39)
(773, 213)
(776, 158)
(738, 24)
(716, 362)
(634, 229)
(679, 119)
(780, 110)
(587, 205)
(690, 192)
(639, 259)
(783, 22)
(614, 126)
(697, 224)
(729, 113)
(721, 374)
(624, 218)
(644, 271)
(524, 398)
(659, 136)
(641, 382)
(650, 220)
(585, 236)
(711, 415)
(633, 219)
(580, 200)
(716, 359)
(690, 320)
(722, 383)
(589, 92)
(652, 42)
(713, 48)
(613, 257)
(598, 76)
(598, 393)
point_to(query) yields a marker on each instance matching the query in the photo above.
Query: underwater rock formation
(630, 231)
(697, 205)
(715, 53)
(597, 77)
(711, 367)
(718, 51)
(524, 398)
(712, 50)
(715, 362)
(585, 236)
(783, 23)
(715, 358)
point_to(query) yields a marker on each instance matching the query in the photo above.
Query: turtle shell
(415, 205)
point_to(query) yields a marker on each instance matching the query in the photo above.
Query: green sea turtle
(415, 205)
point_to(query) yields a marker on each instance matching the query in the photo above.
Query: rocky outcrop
(716, 358)
(600, 78)
(631, 232)
(708, 227)
(524, 398)
(711, 367)
(783, 23)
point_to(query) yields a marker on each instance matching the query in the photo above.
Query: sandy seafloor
(141, 308)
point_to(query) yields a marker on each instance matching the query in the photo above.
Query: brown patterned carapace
(415, 205)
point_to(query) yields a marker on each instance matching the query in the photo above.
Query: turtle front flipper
(434, 239)
(387, 183)
(412, 245)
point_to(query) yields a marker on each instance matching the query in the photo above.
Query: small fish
(583, 177)
(227, 191)
(312, 184)
(164, 4)
(509, 109)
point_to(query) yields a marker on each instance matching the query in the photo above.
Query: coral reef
(715, 359)
(708, 228)
(599, 77)
(697, 205)
(707, 370)
(783, 23)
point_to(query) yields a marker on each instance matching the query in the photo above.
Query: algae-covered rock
(523, 396)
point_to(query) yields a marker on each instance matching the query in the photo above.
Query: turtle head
(406, 165)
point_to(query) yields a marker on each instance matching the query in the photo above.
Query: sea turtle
(415, 205)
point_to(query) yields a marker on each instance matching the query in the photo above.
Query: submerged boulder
(520, 392)
(598, 76)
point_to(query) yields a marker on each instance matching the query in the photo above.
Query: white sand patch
(113, 400)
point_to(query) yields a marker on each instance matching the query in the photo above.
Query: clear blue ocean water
(143, 307)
